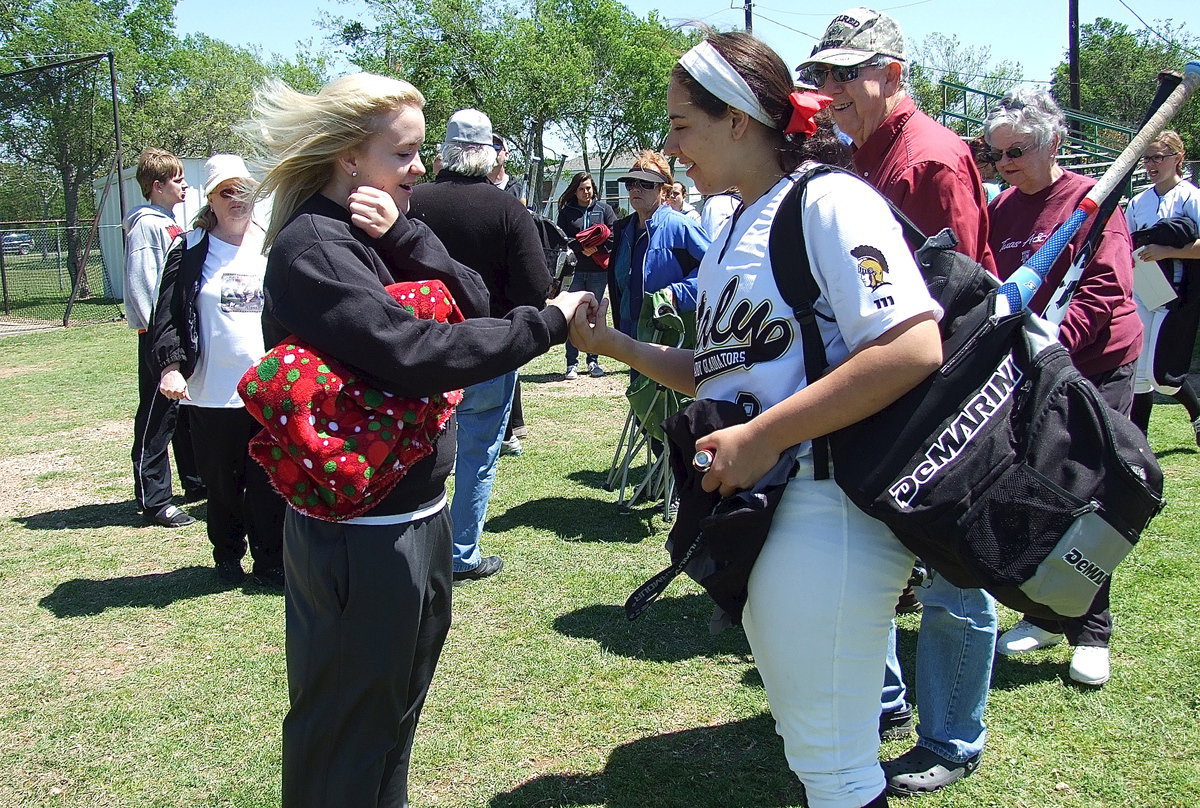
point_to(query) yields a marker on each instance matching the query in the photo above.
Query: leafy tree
(940, 57)
(589, 70)
(629, 60)
(184, 95)
(58, 119)
(1118, 71)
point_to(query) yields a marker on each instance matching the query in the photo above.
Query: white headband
(707, 66)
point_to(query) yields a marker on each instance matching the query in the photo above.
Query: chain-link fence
(37, 277)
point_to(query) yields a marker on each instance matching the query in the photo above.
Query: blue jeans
(594, 282)
(955, 647)
(482, 416)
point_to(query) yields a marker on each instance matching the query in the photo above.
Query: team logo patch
(872, 267)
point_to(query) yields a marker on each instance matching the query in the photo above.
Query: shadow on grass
(1009, 673)
(83, 597)
(726, 766)
(576, 519)
(672, 630)
(592, 478)
(1178, 450)
(104, 514)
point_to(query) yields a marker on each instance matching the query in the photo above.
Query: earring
(353, 173)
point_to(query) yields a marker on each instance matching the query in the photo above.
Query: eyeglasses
(231, 193)
(1155, 159)
(996, 155)
(645, 185)
(816, 76)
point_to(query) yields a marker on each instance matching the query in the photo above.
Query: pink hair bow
(805, 106)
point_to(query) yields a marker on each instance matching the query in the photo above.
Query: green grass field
(128, 677)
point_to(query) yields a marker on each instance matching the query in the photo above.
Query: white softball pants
(822, 595)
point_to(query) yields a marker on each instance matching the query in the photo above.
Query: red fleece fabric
(332, 445)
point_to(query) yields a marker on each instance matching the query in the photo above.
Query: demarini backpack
(1004, 470)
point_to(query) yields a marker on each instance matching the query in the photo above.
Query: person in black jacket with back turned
(368, 598)
(491, 232)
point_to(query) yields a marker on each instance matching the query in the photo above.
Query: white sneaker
(572, 373)
(1089, 665)
(1024, 637)
(512, 446)
(594, 370)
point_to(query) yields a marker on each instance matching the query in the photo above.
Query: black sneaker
(230, 573)
(486, 568)
(896, 725)
(921, 770)
(271, 578)
(169, 516)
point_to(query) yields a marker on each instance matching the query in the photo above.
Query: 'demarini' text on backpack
(1004, 470)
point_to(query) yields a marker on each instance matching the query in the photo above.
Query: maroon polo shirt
(1101, 330)
(928, 172)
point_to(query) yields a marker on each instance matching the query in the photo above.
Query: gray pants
(368, 609)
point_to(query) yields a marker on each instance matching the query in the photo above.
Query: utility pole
(748, 5)
(1073, 52)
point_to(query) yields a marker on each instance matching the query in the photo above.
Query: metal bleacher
(1091, 146)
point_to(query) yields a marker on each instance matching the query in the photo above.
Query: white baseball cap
(222, 167)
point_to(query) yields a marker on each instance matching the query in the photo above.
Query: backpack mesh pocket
(1010, 532)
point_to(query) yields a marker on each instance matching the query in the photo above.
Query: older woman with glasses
(207, 332)
(656, 247)
(1165, 219)
(1101, 329)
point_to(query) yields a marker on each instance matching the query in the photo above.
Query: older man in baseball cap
(928, 172)
(492, 233)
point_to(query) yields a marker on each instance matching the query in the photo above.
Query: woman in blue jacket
(656, 247)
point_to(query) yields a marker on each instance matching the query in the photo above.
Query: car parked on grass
(19, 243)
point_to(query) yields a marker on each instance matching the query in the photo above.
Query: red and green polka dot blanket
(333, 445)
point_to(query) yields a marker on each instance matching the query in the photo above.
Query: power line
(1156, 33)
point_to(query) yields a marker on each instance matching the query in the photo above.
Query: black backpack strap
(798, 287)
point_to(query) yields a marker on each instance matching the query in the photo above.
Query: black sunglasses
(996, 155)
(230, 193)
(816, 76)
(645, 185)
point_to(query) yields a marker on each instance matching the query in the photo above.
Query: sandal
(921, 770)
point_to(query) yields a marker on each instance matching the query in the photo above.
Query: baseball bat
(1056, 309)
(1016, 292)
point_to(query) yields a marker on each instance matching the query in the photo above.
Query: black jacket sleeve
(168, 320)
(411, 245)
(324, 286)
(528, 276)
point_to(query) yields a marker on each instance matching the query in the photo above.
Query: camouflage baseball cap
(855, 36)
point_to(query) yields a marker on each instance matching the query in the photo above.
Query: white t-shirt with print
(748, 343)
(230, 306)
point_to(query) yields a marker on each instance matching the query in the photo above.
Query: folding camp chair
(649, 403)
